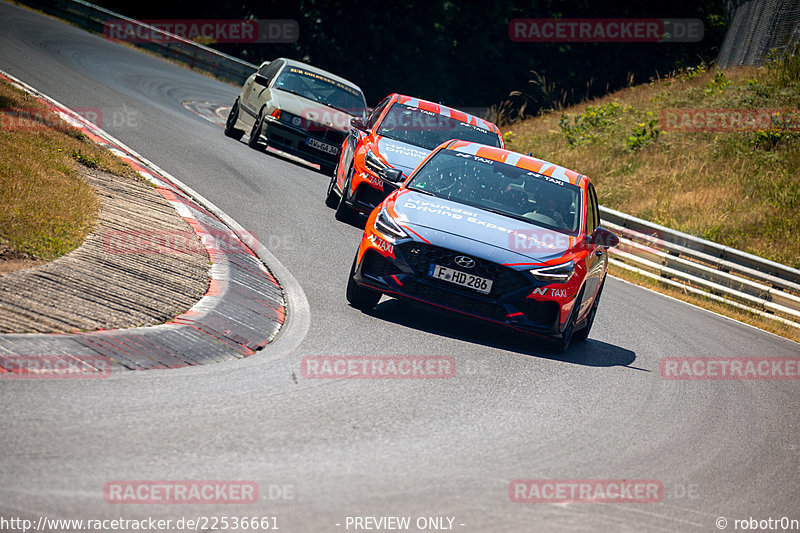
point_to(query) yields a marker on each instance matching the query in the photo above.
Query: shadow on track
(452, 325)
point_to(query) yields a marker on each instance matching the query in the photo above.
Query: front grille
(335, 137)
(317, 154)
(505, 280)
(324, 133)
(454, 300)
(376, 266)
(542, 313)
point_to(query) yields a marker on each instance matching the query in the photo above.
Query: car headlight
(554, 274)
(372, 162)
(289, 118)
(389, 227)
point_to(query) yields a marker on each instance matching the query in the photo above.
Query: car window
(376, 113)
(592, 212)
(321, 89)
(428, 130)
(269, 71)
(504, 189)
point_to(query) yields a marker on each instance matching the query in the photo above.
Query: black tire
(562, 344)
(331, 198)
(360, 297)
(344, 213)
(583, 333)
(230, 123)
(255, 133)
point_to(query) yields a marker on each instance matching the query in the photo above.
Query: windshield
(501, 188)
(321, 89)
(428, 130)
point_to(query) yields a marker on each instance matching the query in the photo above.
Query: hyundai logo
(464, 261)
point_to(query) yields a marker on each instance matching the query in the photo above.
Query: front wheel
(331, 198)
(345, 213)
(327, 169)
(360, 297)
(255, 133)
(562, 344)
(230, 123)
(583, 334)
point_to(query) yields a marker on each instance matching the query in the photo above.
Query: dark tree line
(458, 52)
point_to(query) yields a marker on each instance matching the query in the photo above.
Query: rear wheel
(583, 334)
(360, 297)
(344, 213)
(255, 133)
(230, 123)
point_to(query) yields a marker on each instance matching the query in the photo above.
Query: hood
(474, 231)
(313, 111)
(400, 155)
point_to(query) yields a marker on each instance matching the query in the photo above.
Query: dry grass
(46, 208)
(720, 186)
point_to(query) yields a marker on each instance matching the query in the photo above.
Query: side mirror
(261, 80)
(603, 237)
(358, 124)
(392, 174)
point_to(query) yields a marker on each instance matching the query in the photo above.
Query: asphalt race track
(323, 450)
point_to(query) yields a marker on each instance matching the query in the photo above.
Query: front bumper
(292, 140)
(402, 274)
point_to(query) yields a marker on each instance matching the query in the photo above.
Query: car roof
(441, 109)
(331, 75)
(518, 160)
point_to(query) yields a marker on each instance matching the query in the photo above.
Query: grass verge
(46, 208)
(740, 188)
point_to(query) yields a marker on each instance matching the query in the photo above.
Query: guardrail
(95, 18)
(742, 280)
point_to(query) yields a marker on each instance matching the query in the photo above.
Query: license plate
(482, 285)
(325, 147)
